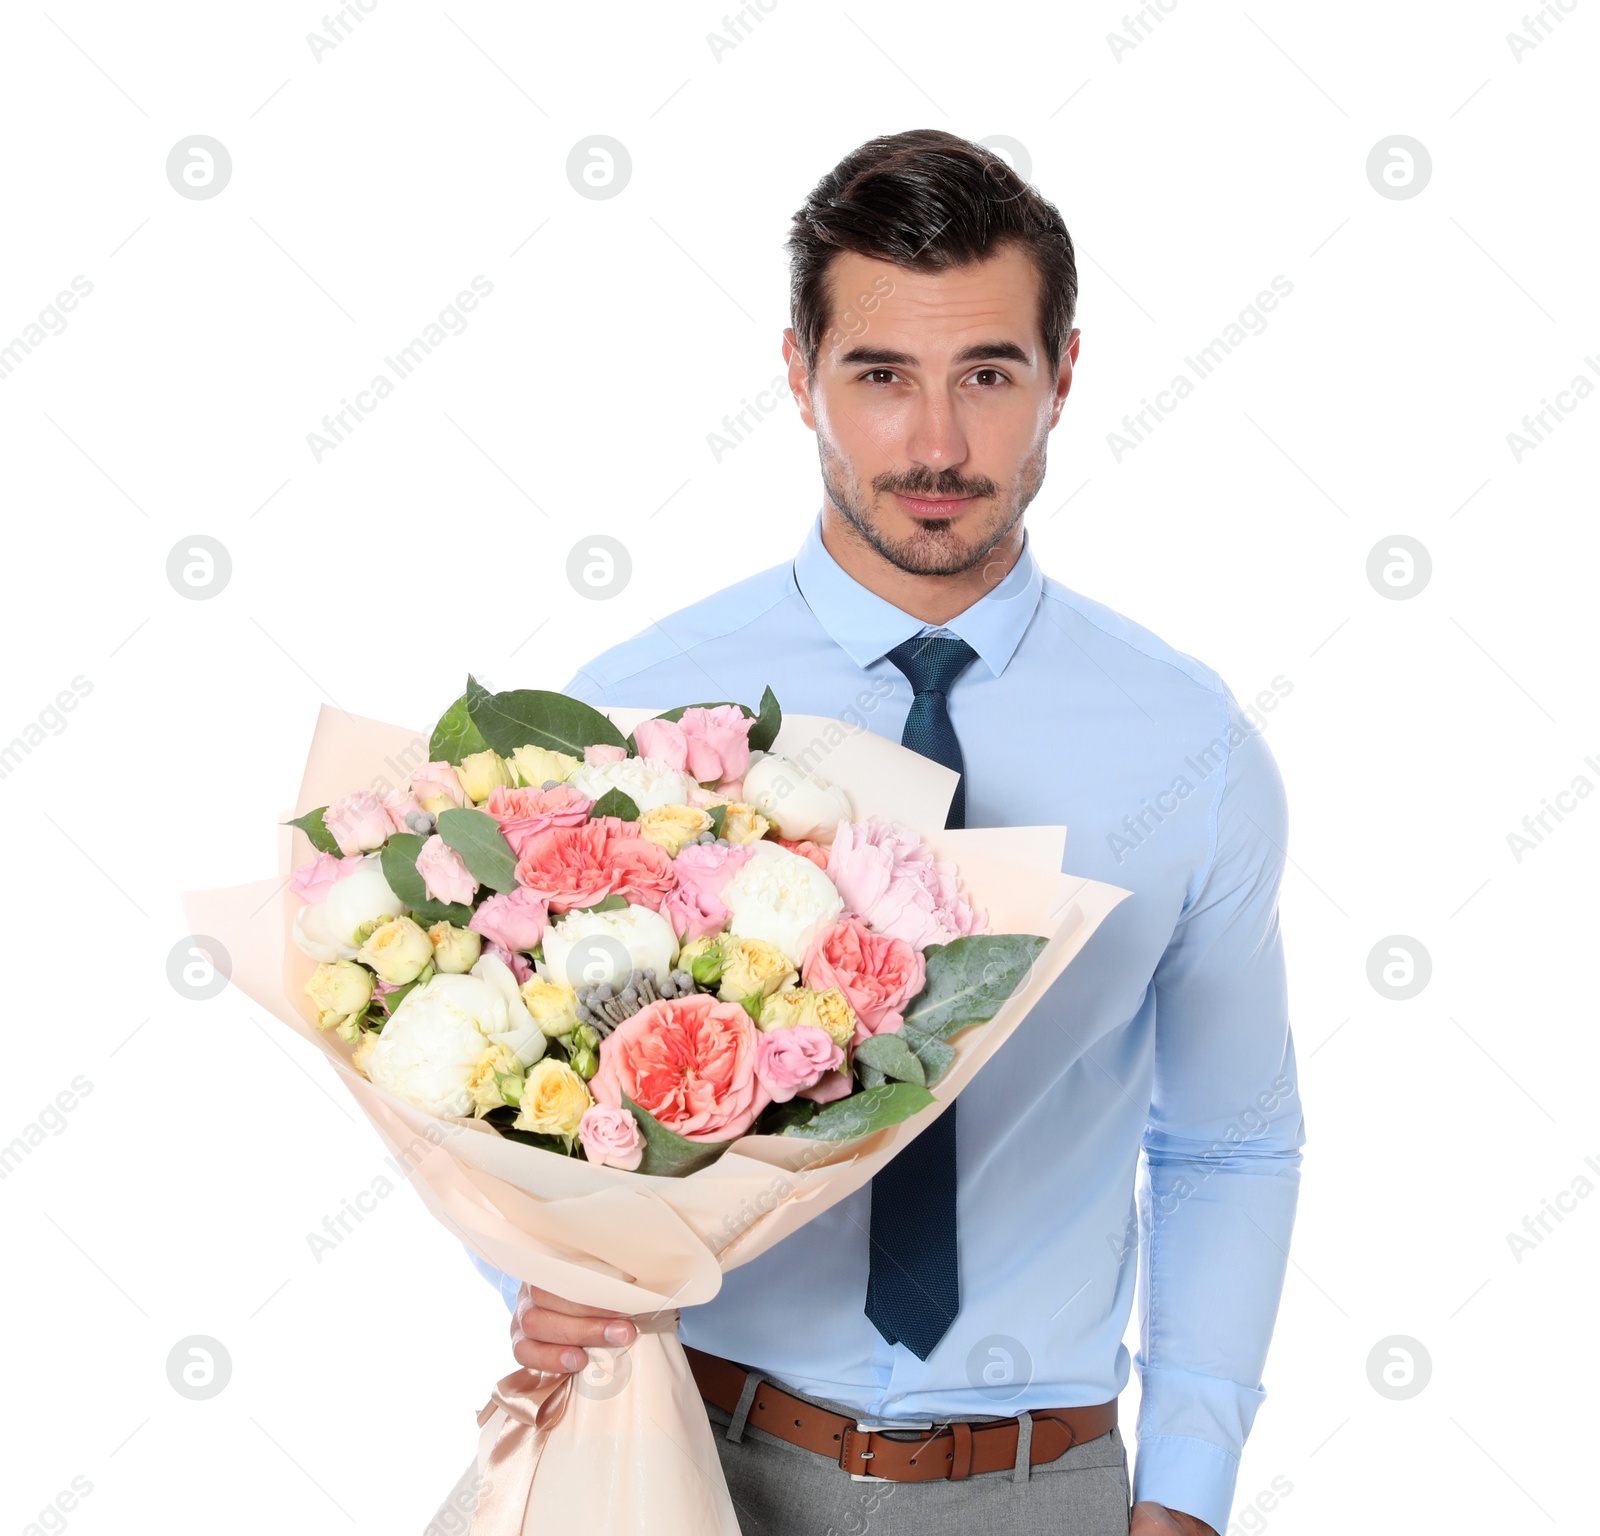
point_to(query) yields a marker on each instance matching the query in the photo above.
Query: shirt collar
(867, 626)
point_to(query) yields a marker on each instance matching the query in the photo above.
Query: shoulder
(667, 647)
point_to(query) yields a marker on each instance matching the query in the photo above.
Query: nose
(934, 435)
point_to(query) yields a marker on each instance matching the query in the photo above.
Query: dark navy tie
(913, 1285)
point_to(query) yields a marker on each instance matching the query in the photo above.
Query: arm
(1222, 1154)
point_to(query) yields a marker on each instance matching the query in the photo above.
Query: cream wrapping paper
(630, 1450)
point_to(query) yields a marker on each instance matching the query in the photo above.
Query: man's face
(932, 399)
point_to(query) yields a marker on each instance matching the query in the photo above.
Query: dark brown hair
(926, 200)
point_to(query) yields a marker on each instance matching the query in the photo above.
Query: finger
(554, 1303)
(562, 1328)
(552, 1359)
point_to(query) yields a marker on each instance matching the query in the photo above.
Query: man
(976, 1293)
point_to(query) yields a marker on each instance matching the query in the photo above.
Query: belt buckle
(871, 1426)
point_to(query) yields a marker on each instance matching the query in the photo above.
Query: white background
(429, 147)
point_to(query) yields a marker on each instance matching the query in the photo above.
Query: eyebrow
(884, 357)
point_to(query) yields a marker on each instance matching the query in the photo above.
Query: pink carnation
(788, 1060)
(694, 905)
(611, 1137)
(520, 966)
(444, 872)
(511, 919)
(690, 1062)
(877, 973)
(523, 812)
(313, 881)
(830, 1086)
(890, 879)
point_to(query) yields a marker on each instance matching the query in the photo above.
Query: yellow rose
(455, 950)
(485, 1086)
(536, 766)
(553, 1004)
(341, 990)
(481, 773)
(673, 827)
(554, 1099)
(743, 823)
(397, 950)
(829, 1011)
(753, 968)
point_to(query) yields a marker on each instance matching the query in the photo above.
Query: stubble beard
(936, 548)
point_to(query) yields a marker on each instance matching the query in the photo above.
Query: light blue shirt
(1169, 1035)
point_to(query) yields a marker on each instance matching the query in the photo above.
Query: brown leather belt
(953, 1450)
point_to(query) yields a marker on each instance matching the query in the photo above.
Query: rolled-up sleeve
(1222, 1154)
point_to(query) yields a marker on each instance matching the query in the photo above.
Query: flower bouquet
(632, 996)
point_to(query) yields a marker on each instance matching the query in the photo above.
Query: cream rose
(481, 773)
(554, 1100)
(753, 968)
(583, 948)
(743, 823)
(398, 950)
(341, 990)
(782, 898)
(673, 827)
(797, 802)
(537, 766)
(552, 1005)
(829, 1011)
(455, 950)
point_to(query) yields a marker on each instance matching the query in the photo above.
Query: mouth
(934, 507)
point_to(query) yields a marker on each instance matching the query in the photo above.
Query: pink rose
(400, 803)
(718, 742)
(512, 919)
(597, 752)
(877, 973)
(520, 966)
(523, 812)
(788, 1060)
(433, 779)
(828, 1087)
(357, 822)
(664, 741)
(313, 881)
(610, 1137)
(690, 1062)
(694, 905)
(889, 877)
(444, 872)
(578, 866)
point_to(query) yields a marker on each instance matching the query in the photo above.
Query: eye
(879, 375)
(993, 374)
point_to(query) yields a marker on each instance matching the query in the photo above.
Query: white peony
(440, 1034)
(362, 896)
(312, 935)
(794, 800)
(646, 781)
(584, 948)
(782, 898)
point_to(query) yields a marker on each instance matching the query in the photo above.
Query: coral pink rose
(357, 822)
(610, 1137)
(599, 752)
(690, 1062)
(434, 779)
(807, 850)
(694, 906)
(512, 919)
(523, 812)
(718, 742)
(878, 974)
(890, 879)
(578, 866)
(313, 881)
(788, 1060)
(444, 872)
(828, 1087)
(664, 741)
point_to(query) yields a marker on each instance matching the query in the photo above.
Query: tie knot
(932, 663)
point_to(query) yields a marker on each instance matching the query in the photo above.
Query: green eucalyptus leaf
(872, 1109)
(476, 836)
(455, 736)
(400, 870)
(611, 903)
(777, 1118)
(666, 1152)
(531, 717)
(718, 815)
(890, 1055)
(968, 980)
(934, 1054)
(314, 828)
(614, 803)
(870, 1076)
(765, 731)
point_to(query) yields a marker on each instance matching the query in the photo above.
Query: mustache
(927, 484)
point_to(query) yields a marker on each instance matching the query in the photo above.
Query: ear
(799, 378)
(1069, 360)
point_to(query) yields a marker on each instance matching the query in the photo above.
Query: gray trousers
(780, 1489)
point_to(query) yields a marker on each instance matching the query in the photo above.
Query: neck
(933, 599)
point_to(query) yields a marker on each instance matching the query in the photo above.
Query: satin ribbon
(531, 1404)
